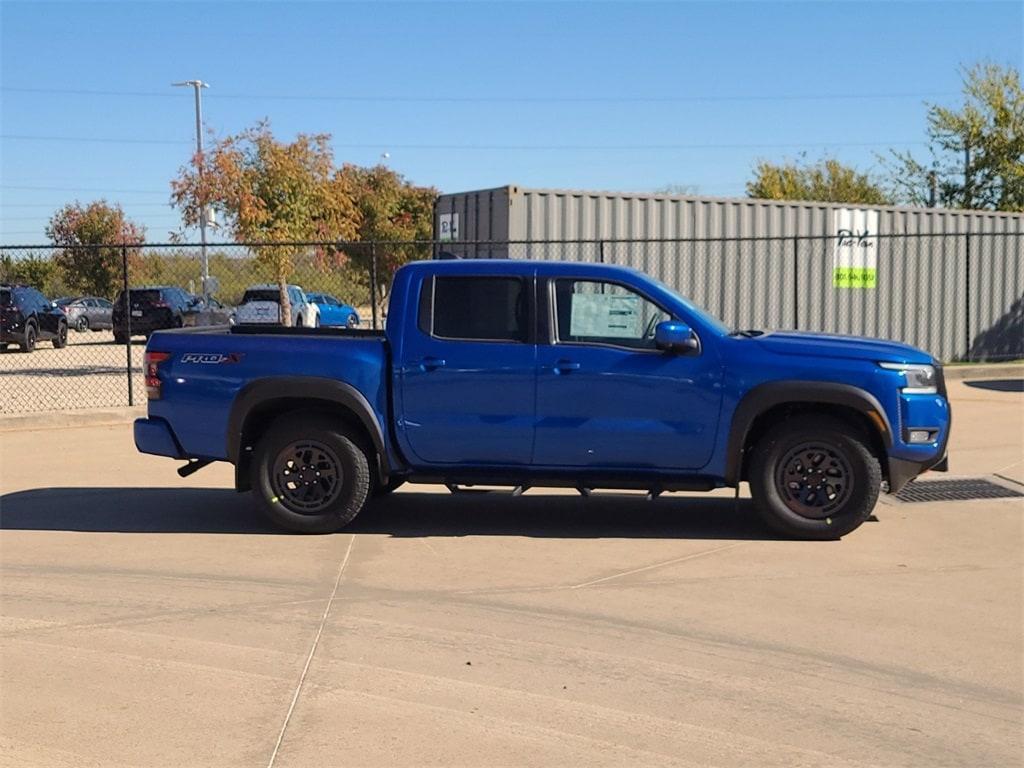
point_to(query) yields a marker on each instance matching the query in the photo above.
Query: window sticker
(605, 315)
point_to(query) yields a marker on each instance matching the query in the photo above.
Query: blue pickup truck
(527, 374)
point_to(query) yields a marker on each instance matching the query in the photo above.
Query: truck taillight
(152, 365)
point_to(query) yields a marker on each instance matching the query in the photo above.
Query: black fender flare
(265, 390)
(766, 396)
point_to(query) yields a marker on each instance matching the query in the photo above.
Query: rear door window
(260, 294)
(475, 308)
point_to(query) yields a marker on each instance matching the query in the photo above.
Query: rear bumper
(155, 436)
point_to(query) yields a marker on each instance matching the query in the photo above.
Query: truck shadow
(997, 385)
(201, 510)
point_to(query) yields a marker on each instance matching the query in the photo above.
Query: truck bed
(281, 330)
(210, 366)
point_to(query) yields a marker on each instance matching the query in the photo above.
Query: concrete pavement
(150, 620)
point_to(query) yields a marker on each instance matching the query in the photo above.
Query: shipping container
(949, 281)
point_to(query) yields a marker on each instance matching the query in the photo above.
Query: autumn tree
(89, 239)
(270, 191)
(393, 212)
(827, 180)
(976, 151)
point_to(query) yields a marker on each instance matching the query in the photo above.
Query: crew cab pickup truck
(526, 374)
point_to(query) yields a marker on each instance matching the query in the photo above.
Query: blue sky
(619, 96)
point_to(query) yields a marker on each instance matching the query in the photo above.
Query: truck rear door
(467, 371)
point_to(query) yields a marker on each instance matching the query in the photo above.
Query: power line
(48, 205)
(84, 189)
(497, 99)
(89, 139)
(504, 147)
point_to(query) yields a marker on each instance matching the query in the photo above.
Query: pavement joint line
(1009, 479)
(312, 651)
(682, 559)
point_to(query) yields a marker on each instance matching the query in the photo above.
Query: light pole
(198, 85)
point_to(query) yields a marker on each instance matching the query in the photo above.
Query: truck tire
(309, 475)
(814, 477)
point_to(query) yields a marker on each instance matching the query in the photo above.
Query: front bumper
(155, 436)
(922, 412)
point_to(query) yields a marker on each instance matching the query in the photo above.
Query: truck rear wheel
(814, 478)
(309, 475)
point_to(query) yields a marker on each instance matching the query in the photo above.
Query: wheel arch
(769, 404)
(259, 403)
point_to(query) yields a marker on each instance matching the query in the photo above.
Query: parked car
(26, 316)
(261, 305)
(210, 311)
(87, 312)
(334, 312)
(525, 373)
(154, 308)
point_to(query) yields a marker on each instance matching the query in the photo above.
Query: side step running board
(193, 466)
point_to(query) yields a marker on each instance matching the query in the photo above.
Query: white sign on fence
(855, 257)
(448, 226)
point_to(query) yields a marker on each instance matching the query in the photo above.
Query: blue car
(334, 312)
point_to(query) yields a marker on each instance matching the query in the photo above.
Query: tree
(90, 238)
(393, 212)
(976, 151)
(827, 180)
(32, 269)
(269, 191)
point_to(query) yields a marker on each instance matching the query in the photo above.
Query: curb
(984, 370)
(94, 417)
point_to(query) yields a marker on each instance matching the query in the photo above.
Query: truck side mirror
(675, 336)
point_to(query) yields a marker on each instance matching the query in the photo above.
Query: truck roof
(516, 267)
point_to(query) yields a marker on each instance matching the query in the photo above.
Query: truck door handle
(431, 363)
(565, 366)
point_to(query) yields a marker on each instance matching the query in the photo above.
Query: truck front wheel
(814, 477)
(310, 476)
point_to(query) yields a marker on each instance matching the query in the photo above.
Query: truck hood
(849, 347)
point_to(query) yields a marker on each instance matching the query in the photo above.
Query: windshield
(708, 319)
(261, 294)
(5, 297)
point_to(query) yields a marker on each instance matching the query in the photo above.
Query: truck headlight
(918, 379)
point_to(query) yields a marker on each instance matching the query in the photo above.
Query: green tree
(31, 269)
(393, 212)
(827, 180)
(89, 239)
(976, 151)
(269, 191)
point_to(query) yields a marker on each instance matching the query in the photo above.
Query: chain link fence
(961, 297)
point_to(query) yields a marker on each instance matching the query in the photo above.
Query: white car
(260, 304)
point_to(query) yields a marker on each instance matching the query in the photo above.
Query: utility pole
(198, 85)
(933, 189)
(968, 192)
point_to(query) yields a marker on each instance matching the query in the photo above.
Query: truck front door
(607, 397)
(468, 372)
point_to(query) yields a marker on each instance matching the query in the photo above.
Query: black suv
(154, 308)
(26, 316)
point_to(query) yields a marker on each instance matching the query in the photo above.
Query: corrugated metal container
(766, 263)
